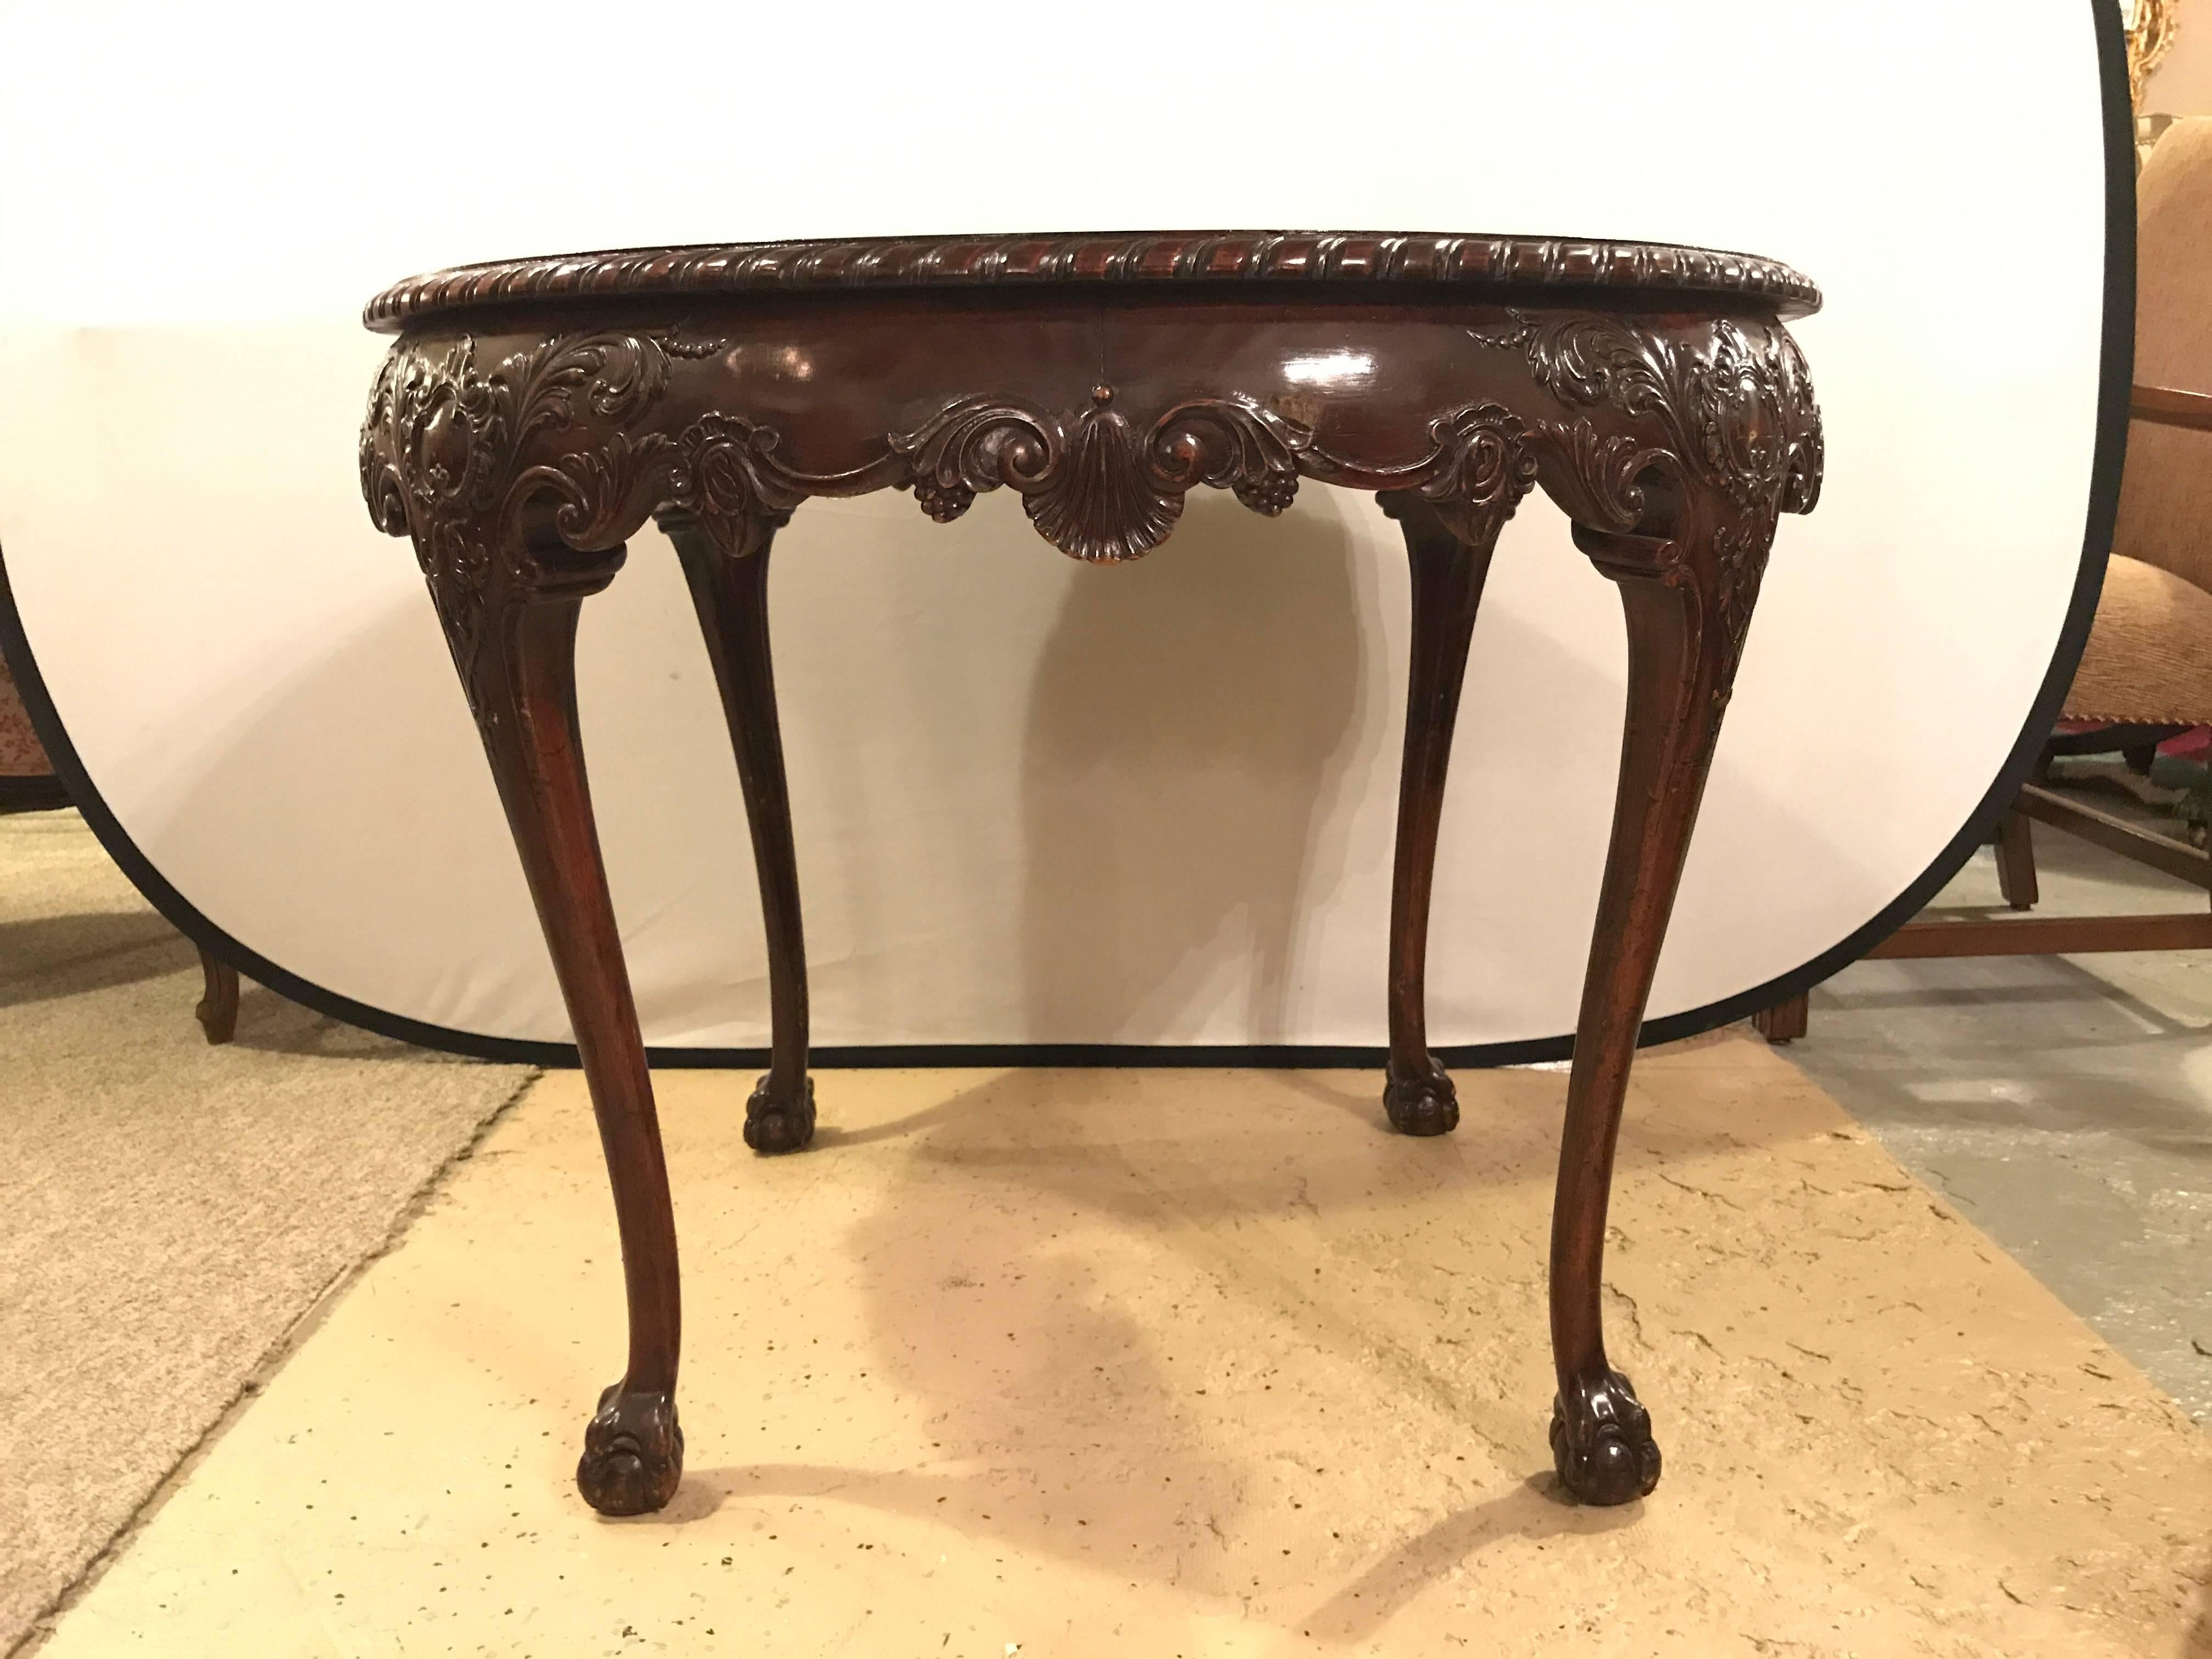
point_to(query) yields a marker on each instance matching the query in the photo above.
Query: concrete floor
(2063, 1103)
(1207, 1364)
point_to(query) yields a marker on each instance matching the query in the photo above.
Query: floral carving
(731, 480)
(1674, 433)
(1723, 415)
(525, 475)
(1736, 412)
(978, 444)
(1232, 444)
(1600, 483)
(1738, 566)
(442, 455)
(1099, 489)
(1478, 467)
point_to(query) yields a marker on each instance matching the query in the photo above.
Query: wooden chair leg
(1450, 557)
(729, 589)
(217, 1013)
(1689, 601)
(1785, 1022)
(2016, 860)
(514, 639)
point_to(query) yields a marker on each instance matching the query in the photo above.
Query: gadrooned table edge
(892, 264)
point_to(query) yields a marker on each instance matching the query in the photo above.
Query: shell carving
(1105, 505)
(1095, 486)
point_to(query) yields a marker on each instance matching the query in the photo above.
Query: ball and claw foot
(1601, 1442)
(1423, 1103)
(633, 1454)
(774, 1126)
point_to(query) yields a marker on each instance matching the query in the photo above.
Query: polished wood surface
(534, 416)
(731, 596)
(1493, 265)
(1449, 562)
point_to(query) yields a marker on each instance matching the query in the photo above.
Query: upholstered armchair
(2149, 656)
(2147, 666)
(27, 784)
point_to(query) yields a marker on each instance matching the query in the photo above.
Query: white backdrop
(1034, 802)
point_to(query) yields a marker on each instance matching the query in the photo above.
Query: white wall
(1034, 801)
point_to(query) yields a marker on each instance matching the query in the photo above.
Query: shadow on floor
(44, 959)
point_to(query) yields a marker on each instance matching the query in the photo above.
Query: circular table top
(1241, 256)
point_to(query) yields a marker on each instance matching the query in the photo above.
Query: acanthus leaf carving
(1739, 564)
(1736, 412)
(978, 444)
(446, 455)
(1599, 480)
(729, 478)
(453, 451)
(1091, 484)
(1481, 469)
(1232, 444)
(1477, 468)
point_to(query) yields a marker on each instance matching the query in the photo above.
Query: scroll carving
(1733, 411)
(1721, 421)
(1674, 433)
(1095, 486)
(1477, 468)
(1098, 489)
(450, 454)
(571, 436)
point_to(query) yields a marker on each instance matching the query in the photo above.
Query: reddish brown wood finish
(217, 1013)
(1448, 566)
(731, 596)
(2015, 843)
(1785, 1021)
(534, 416)
(2046, 936)
(1489, 263)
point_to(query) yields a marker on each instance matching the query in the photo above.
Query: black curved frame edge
(2112, 399)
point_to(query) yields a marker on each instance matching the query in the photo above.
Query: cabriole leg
(729, 588)
(515, 646)
(1689, 601)
(1451, 556)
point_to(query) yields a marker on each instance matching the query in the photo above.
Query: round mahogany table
(533, 414)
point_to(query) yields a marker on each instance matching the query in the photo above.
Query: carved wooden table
(532, 415)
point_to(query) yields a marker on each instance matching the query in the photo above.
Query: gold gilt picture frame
(2151, 25)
